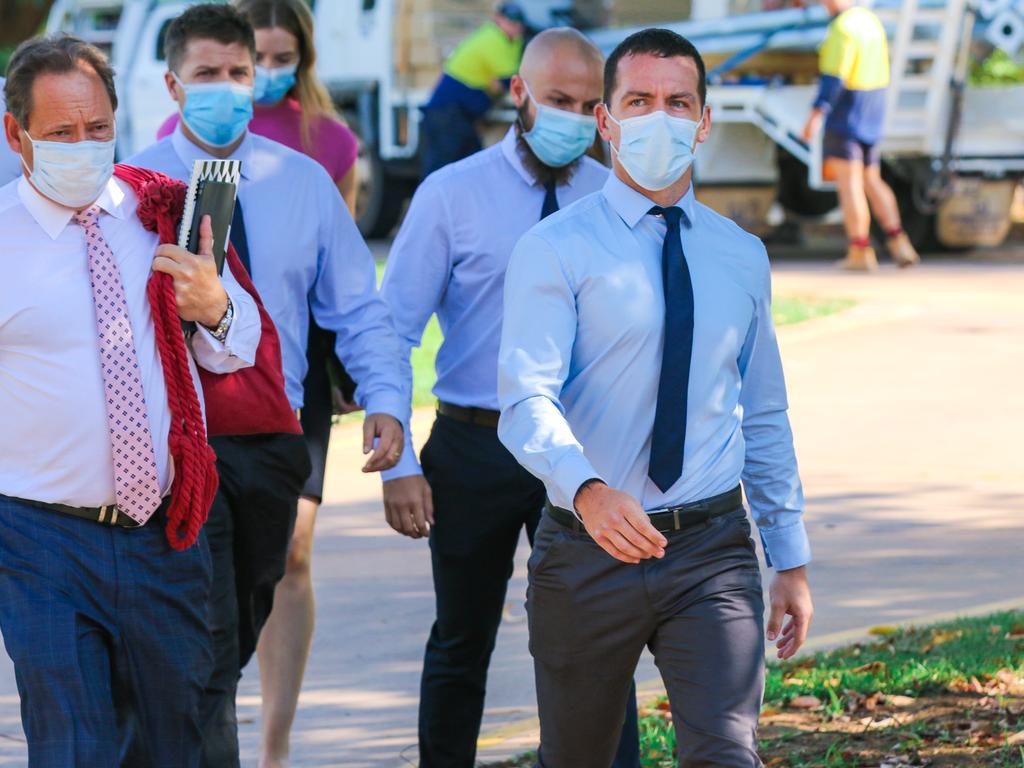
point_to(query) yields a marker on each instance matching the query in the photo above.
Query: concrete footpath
(907, 411)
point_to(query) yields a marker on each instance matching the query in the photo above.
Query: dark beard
(544, 174)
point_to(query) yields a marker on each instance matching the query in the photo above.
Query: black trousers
(483, 499)
(249, 529)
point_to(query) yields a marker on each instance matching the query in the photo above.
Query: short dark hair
(54, 55)
(663, 43)
(210, 21)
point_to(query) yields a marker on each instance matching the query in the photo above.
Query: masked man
(644, 541)
(471, 497)
(304, 253)
(105, 476)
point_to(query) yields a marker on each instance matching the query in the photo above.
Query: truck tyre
(920, 226)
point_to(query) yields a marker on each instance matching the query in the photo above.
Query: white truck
(943, 143)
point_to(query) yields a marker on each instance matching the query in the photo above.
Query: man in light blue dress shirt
(640, 380)
(305, 255)
(471, 497)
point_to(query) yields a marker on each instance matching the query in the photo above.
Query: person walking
(470, 497)
(639, 378)
(305, 254)
(106, 476)
(854, 63)
(477, 71)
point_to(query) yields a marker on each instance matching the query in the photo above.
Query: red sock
(860, 242)
(896, 232)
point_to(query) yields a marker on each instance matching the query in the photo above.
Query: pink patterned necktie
(136, 486)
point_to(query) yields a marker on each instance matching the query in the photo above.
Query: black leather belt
(479, 416)
(666, 520)
(108, 515)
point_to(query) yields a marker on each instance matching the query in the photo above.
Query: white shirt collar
(53, 217)
(188, 152)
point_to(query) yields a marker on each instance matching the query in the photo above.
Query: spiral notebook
(212, 192)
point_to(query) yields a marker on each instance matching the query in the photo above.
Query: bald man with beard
(470, 497)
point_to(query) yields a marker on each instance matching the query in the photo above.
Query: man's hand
(790, 595)
(813, 125)
(389, 436)
(341, 405)
(197, 288)
(409, 505)
(618, 523)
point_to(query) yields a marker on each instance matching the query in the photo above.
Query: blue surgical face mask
(558, 137)
(217, 113)
(72, 174)
(273, 84)
(656, 149)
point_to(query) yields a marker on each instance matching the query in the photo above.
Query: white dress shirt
(55, 443)
(450, 257)
(10, 161)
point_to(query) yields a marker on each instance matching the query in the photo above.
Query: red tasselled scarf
(250, 401)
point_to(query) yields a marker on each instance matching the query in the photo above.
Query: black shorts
(845, 148)
(317, 409)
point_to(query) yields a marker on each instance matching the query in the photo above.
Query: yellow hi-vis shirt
(856, 51)
(485, 56)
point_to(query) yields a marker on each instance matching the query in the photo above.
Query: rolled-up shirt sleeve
(344, 300)
(415, 280)
(770, 475)
(238, 350)
(538, 333)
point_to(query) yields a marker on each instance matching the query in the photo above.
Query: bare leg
(283, 647)
(884, 206)
(852, 198)
(881, 198)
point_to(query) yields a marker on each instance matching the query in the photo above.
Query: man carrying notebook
(304, 253)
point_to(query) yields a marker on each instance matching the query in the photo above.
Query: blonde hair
(294, 17)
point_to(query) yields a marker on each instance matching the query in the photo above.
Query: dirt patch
(961, 730)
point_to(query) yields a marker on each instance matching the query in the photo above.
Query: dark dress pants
(249, 529)
(700, 612)
(448, 134)
(107, 631)
(483, 499)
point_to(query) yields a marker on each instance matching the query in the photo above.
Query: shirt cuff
(407, 465)
(389, 402)
(786, 548)
(572, 471)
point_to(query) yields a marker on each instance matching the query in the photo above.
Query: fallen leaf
(874, 666)
(883, 630)
(1015, 739)
(900, 701)
(770, 712)
(805, 702)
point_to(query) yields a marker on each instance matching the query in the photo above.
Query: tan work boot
(859, 258)
(902, 250)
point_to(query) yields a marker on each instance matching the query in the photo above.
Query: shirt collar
(189, 152)
(53, 218)
(510, 149)
(632, 206)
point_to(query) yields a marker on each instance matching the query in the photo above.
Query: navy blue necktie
(669, 436)
(550, 200)
(238, 238)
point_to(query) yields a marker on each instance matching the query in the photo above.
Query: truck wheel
(918, 225)
(795, 194)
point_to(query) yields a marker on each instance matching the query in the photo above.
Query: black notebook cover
(215, 199)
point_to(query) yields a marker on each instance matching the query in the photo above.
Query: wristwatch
(220, 331)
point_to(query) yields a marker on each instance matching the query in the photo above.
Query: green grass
(910, 662)
(786, 310)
